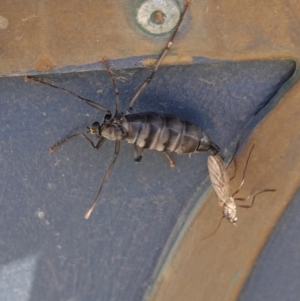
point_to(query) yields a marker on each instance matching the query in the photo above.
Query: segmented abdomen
(165, 133)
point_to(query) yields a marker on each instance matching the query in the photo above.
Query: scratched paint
(3, 22)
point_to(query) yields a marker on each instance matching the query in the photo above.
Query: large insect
(220, 181)
(148, 130)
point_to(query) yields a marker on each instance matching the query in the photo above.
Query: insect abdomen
(166, 133)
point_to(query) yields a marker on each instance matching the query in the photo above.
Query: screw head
(157, 17)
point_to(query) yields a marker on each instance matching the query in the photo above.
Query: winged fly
(146, 130)
(220, 181)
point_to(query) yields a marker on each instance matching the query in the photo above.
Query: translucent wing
(219, 178)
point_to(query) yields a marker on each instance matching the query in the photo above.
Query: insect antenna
(90, 209)
(161, 57)
(97, 146)
(87, 101)
(117, 102)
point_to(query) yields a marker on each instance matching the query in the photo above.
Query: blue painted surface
(275, 275)
(43, 196)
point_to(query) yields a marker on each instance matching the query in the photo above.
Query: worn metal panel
(45, 35)
(217, 268)
(114, 255)
(275, 276)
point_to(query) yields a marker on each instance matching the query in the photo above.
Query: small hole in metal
(157, 17)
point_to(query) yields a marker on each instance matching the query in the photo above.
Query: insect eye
(107, 117)
(95, 129)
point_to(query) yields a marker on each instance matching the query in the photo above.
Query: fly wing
(219, 178)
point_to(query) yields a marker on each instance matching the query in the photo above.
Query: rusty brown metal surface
(216, 268)
(43, 35)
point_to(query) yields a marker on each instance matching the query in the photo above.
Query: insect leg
(253, 198)
(142, 153)
(104, 62)
(137, 157)
(243, 179)
(97, 146)
(87, 101)
(172, 163)
(161, 57)
(233, 160)
(214, 230)
(90, 209)
(135, 153)
(214, 148)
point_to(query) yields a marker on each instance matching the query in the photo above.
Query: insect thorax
(114, 129)
(229, 211)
